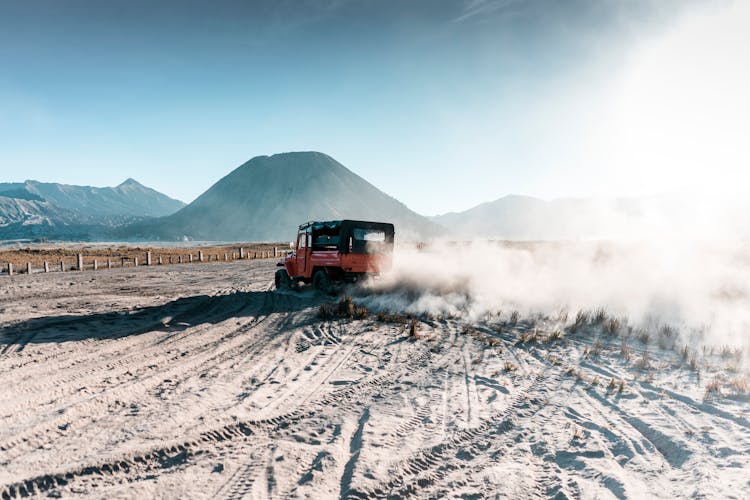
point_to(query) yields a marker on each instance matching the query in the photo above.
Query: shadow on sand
(174, 316)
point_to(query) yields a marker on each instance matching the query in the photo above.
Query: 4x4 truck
(335, 252)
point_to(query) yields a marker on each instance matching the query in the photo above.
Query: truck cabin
(347, 237)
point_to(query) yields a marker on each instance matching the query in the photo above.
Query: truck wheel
(321, 281)
(282, 280)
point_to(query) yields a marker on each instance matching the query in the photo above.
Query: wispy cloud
(475, 8)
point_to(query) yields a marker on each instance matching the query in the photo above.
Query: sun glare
(681, 113)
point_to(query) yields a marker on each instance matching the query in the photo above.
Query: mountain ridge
(267, 197)
(33, 209)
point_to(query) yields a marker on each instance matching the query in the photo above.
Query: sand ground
(200, 381)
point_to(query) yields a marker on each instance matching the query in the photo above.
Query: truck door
(302, 251)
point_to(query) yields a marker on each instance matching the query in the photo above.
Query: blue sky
(443, 105)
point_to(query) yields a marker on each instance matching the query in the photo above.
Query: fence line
(80, 261)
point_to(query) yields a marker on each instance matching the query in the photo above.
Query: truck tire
(321, 281)
(282, 280)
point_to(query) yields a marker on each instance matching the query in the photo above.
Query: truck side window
(302, 241)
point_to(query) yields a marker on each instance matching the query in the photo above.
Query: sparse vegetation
(528, 337)
(643, 336)
(555, 360)
(600, 315)
(713, 388)
(345, 309)
(582, 319)
(413, 328)
(693, 362)
(578, 433)
(666, 337)
(612, 326)
(739, 386)
(625, 350)
(643, 363)
(555, 335)
(596, 349)
(509, 366)
(685, 352)
(514, 318)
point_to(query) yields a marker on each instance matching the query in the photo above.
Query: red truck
(335, 252)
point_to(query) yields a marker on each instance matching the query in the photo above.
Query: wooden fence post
(28, 268)
(135, 261)
(109, 263)
(242, 253)
(62, 266)
(200, 255)
(80, 262)
(275, 251)
(159, 261)
(122, 261)
(96, 264)
(148, 258)
(10, 269)
(46, 266)
(191, 258)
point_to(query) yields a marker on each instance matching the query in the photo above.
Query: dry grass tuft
(514, 318)
(668, 331)
(739, 386)
(509, 366)
(612, 326)
(625, 351)
(685, 353)
(597, 348)
(555, 335)
(345, 309)
(582, 319)
(693, 362)
(413, 328)
(528, 337)
(326, 311)
(643, 336)
(643, 362)
(387, 317)
(713, 388)
(600, 315)
(555, 360)
(578, 433)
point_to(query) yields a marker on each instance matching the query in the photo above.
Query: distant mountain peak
(267, 197)
(130, 182)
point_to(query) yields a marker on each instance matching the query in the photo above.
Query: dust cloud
(699, 288)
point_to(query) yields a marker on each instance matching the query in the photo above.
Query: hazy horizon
(442, 105)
